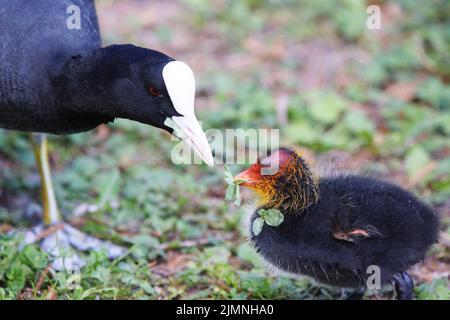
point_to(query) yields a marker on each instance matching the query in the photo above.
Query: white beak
(194, 136)
(180, 84)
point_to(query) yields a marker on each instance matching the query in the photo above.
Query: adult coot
(55, 78)
(344, 231)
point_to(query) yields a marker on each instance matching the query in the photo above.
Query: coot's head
(282, 180)
(152, 87)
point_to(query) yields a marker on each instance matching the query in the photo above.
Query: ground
(370, 101)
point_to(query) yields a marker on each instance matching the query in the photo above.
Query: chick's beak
(194, 136)
(245, 179)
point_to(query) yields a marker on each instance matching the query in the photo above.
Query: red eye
(154, 92)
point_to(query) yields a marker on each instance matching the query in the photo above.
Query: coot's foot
(403, 285)
(60, 240)
(56, 237)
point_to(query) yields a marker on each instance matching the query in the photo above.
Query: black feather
(400, 230)
(54, 79)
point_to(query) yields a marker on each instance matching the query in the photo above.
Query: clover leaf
(272, 217)
(257, 226)
(233, 192)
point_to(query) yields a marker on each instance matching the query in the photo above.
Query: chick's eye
(153, 91)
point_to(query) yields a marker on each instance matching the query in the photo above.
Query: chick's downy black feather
(356, 223)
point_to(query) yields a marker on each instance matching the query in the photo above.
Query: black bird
(342, 231)
(56, 78)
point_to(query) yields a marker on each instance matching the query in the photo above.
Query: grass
(385, 113)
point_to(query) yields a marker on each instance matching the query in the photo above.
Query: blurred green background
(368, 101)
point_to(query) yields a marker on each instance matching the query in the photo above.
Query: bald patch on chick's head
(282, 180)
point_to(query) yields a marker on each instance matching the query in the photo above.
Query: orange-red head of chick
(282, 180)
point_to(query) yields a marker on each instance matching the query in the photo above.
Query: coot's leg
(55, 236)
(51, 213)
(403, 285)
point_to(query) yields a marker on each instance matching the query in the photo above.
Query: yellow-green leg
(49, 206)
(65, 236)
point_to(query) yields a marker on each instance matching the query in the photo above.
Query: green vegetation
(379, 101)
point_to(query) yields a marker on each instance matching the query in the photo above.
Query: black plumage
(54, 79)
(356, 222)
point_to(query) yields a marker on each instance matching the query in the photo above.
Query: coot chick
(338, 230)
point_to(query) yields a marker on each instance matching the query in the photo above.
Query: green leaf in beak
(232, 193)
